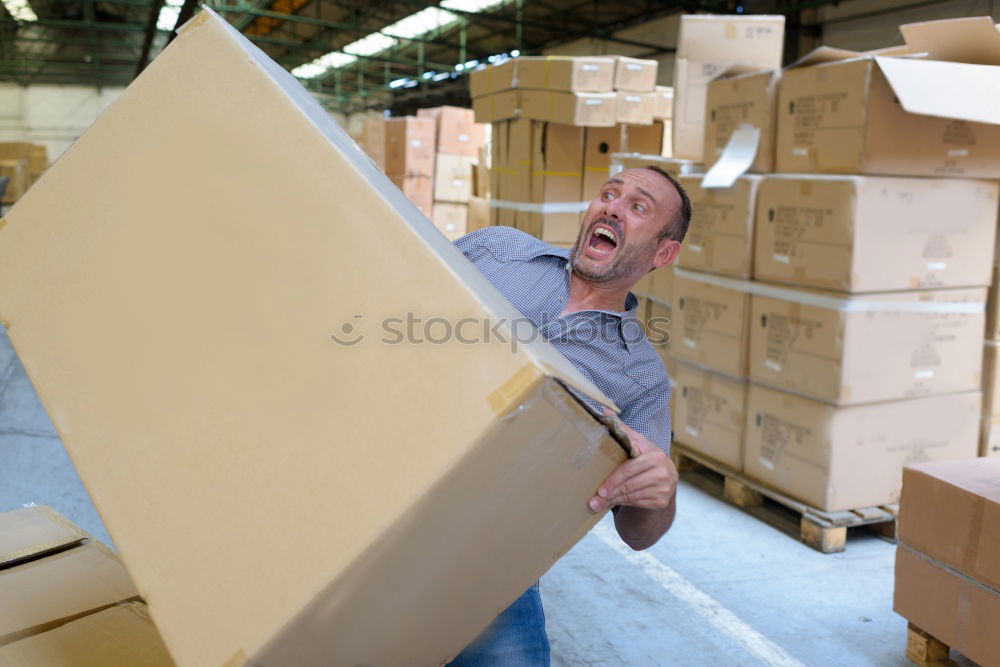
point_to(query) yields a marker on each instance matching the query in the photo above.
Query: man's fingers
(650, 489)
(629, 469)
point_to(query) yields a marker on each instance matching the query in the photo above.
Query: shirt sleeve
(650, 414)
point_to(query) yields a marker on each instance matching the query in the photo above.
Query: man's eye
(607, 196)
(640, 208)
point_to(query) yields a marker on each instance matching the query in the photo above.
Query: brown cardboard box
(569, 73)
(49, 591)
(373, 140)
(673, 166)
(497, 107)
(710, 324)
(453, 178)
(644, 139)
(458, 133)
(16, 150)
(957, 610)
(635, 74)
(492, 79)
(848, 112)
(32, 532)
(659, 322)
(635, 108)
(599, 144)
(742, 98)
(661, 283)
(663, 107)
(948, 560)
(581, 109)
(146, 402)
(482, 178)
(993, 305)
(950, 511)
(479, 213)
(39, 161)
(721, 234)
(452, 219)
(18, 179)
(709, 413)
(832, 232)
(515, 177)
(877, 347)
(707, 46)
(418, 189)
(843, 458)
(409, 146)
(557, 163)
(120, 635)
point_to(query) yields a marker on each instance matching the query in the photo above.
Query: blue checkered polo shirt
(610, 348)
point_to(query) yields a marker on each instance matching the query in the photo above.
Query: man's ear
(666, 252)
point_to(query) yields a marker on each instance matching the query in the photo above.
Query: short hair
(677, 228)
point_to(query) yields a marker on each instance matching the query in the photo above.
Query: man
(580, 301)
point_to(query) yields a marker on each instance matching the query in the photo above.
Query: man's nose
(613, 209)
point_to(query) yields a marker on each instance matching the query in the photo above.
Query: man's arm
(642, 491)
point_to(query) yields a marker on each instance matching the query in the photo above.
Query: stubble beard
(628, 259)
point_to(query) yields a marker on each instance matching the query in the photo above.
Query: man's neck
(585, 295)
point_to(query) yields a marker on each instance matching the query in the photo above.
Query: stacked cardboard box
(67, 598)
(459, 138)
(556, 122)
(855, 316)
(948, 558)
(372, 139)
(409, 158)
(146, 403)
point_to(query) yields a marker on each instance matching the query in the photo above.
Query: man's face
(618, 240)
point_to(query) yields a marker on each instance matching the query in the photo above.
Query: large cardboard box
(497, 107)
(661, 284)
(556, 180)
(848, 112)
(635, 74)
(158, 389)
(710, 324)
(16, 150)
(570, 73)
(720, 237)
(452, 219)
(373, 140)
(418, 189)
(120, 635)
(492, 79)
(833, 232)
(49, 591)
(409, 146)
(635, 108)
(948, 560)
(663, 107)
(479, 213)
(644, 139)
(581, 109)
(18, 179)
(707, 46)
(876, 347)
(453, 178)
(458, 133)
(843, 458)
(598, 146)
(742, 98)
(709, 413)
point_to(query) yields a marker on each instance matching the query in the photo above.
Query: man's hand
(644, 487)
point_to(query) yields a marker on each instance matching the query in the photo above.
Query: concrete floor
(721, 588)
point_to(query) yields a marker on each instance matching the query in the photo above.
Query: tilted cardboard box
(709, 413)
(739, 98)
(710, 323)
(228, 372)
(849, 112)
(844, 458)
(835, 232)
(875, 347)
(720, 236)
(706, 47)
(948, 559)
(120, 635)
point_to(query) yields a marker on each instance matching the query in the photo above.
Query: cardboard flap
(945, 89)
(973, 40)
(734, 71)
(825, 54)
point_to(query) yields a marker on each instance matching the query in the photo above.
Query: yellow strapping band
(543, 172)
(511, 393)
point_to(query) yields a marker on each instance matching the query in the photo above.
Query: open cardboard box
(204, 311)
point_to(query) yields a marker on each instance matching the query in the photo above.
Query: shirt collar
(629, 327)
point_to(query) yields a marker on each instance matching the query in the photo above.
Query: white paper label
(593, 103)
(690, 343)
(633, 67)
(923, 375)
(936, 266)
(737, 157)
(784, 259)
(463, 137)
(634, 99)
(958, 152)
(773, 365)
(801, 152)
(415, 143)
(694, 247)
(589, 68)
(692, 431)
(766, 463)
(456, 183)
(449, 228)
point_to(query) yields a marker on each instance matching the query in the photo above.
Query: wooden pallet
(824, 531)
(926, 650)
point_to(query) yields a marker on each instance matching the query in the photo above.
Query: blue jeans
(516, 638)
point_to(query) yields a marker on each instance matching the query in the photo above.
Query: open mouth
(603, 240)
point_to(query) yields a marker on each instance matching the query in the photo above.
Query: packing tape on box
(543, 207)
(949, 569)
(830, 302)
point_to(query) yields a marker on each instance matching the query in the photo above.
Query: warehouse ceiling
(353, 54)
